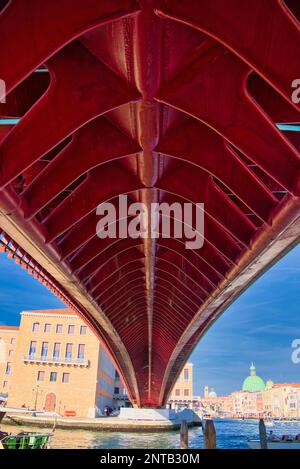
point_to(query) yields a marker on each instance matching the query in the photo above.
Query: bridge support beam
(160, 414)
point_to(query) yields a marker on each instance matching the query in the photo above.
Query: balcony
(83, 362)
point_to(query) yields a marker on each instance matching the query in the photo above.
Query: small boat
(286, 442)
(24, 440)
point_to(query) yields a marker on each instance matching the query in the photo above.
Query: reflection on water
(230, 434)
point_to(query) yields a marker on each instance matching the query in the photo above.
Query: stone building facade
(58, 365)
(8, 342)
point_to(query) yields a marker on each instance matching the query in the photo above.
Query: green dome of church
(253, 382)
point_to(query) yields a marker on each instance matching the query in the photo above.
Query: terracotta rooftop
(280, 385)
(13, 328)
(50, 311)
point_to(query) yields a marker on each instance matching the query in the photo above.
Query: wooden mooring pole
(209, 432)
(184, 435)
(263, 435)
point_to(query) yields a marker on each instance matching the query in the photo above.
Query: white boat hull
(255, 444)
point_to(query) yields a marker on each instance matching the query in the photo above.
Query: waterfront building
(208, 393)
(247, 404)
(253, 382)
(58, 365)
(182, 394)
(8, 341)
(282, 400)
(256, 399)
(215, 406)
(120, 397)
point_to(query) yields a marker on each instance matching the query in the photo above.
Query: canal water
(231, 434)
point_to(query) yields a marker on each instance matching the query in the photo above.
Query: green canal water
(231, 434)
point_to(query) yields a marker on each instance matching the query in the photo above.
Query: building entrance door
(50, 402)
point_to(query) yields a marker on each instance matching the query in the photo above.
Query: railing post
(209, 435)
(263, 435)
(184, 435)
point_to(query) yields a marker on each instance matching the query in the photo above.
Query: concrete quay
(112, 424)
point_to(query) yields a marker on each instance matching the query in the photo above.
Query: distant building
(247, 404)
(282, 400)
(120, 394)
(56, 364)
(256, 399)
(182, 393)
(216, 406)
(209, 393)
(253, 382)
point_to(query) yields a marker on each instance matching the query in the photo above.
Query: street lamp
(37, 391)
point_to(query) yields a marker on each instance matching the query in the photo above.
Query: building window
(186, 392)
(47, 327)
(41, 376)
(116, 390)
(59, 328)
(56, 350)
(10, 353)
(66, 377)
(13, 340)
(35, 327)
(44, 352)
(82, 330)
(186, 374)
(81, 351)
(177, 392)
(5, 384)
(8, 368)
(69, 350)
(117, 376)
(71, 329)
(32, 348)
(53, 376)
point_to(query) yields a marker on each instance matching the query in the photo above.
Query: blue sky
(260, 326)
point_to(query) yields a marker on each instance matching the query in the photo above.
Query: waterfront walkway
(96, 424)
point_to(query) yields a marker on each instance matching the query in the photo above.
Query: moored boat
(24, 440)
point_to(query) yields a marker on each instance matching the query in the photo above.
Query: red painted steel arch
(165, 101)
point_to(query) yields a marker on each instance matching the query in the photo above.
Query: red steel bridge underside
(165, 101)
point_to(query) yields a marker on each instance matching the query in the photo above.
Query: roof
(281, 385)
(9, 328)
(59, 311)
